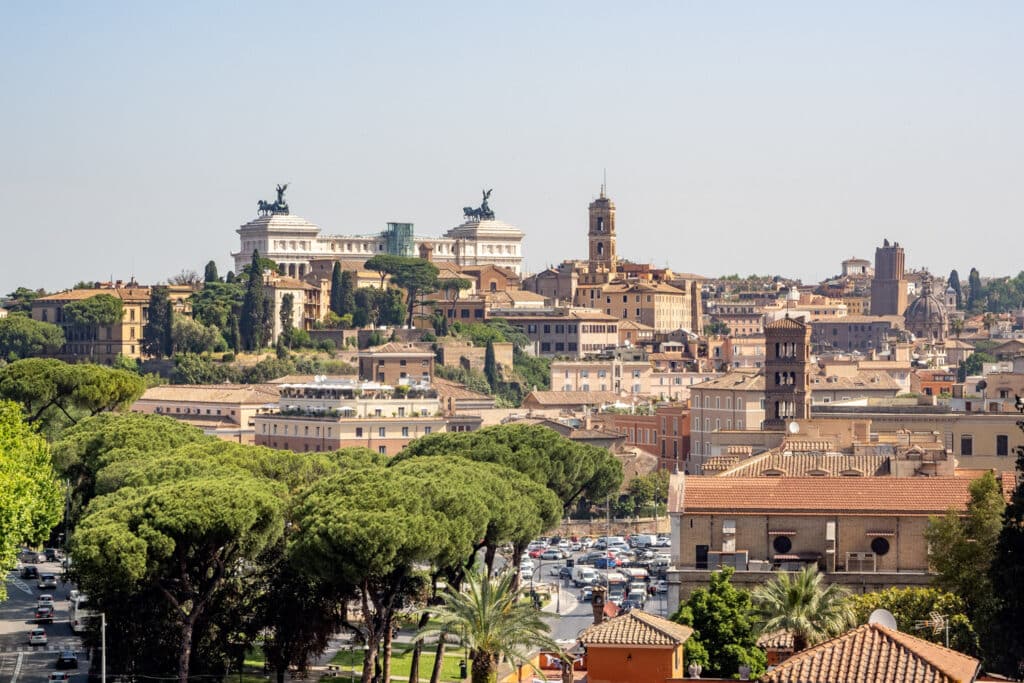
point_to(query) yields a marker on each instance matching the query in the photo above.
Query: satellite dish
(883, 617)
(794, 428)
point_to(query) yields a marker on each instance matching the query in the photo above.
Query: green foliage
(252, 321)
(954, 282)
(911, 606)
(216, 303)
(53, 393)
(974, 363)
(287, 315)
(101, 309)
(568, 468)
(1001, 640)
(650, 488)
(157, 333)
(210, 272)
(20, 300)
(494, 622)
(722, 617)
(717, 327)
(31, 499)
(23, 337)
(392, 308)
(336, 305)
(491, 366)
(192, 336)
(802, 604)
(975, 292)
(473, 379)
(962, 549)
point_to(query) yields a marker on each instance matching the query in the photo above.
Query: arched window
(600, 249)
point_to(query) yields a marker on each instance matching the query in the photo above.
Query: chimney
(597, 603)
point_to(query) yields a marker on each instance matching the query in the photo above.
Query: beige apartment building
(226, 411)
(396, 363)
(732, 402)
(863, 532)
(572, 332)
(327, 415)
(655, 304)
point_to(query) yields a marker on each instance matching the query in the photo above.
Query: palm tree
(801, 604)
(493, 621)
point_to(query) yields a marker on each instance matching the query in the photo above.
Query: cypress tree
(348, 292)
(210, 275)
(268, 320)
(158, 325)
(251, 324)
(337, 282)
(974, 291)
(287, 315)
(491, 366)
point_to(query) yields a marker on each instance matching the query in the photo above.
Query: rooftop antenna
(604, 181)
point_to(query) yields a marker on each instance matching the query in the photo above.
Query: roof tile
(636, 627)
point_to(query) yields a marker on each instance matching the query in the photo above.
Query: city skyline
(142, 137)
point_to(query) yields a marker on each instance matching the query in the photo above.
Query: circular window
(879, 546)
(782, 544)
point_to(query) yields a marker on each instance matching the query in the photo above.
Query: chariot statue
(483, 212)
(266, 208)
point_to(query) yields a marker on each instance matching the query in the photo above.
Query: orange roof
(636, 627)
(875, 654)
(133, 294)
(819, 495)
(559, 398)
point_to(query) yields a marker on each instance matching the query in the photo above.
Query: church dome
(926, 317)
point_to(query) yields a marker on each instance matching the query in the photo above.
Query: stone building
(787, 372)
(926, 318)
(889, 286)
(294, 242)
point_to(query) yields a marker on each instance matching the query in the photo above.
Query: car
(564, 544)
(45, 600)
(576, 546)
(555, 570)
(52, 554)
(586, 541)
(59, 677)
(526, 574)
(551, 554)
(536, 552)
(73, 595)
(605, 563)
(587, 594)
(67, 660)
(29, 572)
(628, 605)
(37, 636)
(44, 614)
(661, 586)
(565, 573)
(47, 581)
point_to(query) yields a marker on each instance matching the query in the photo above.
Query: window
(359, 432)
(559, 346)
(382, 450)
(426, 430)
(782, 544)
(547, 329)
(405, 431)
(401, 411)
(879, 546)
(966, 444)
(1002, 444)
(382, 431)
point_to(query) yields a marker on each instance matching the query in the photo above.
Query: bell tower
(787, 372)
(601, 236)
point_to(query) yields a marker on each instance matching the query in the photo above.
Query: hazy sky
(760, 137)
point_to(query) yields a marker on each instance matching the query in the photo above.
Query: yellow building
(106, 342)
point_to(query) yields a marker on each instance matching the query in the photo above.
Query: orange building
(634, 647)
(932, 382)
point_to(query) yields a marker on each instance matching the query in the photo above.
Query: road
(24, 663)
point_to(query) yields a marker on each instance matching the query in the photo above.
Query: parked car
(606, 563)
(53, 554)
(67, 660)
(551, 554)
(59, 677)
(37, 636)
(576, 546)
(29, 572)
(537, 552)
(661, 587)
(44, 614)
(526, 573)
(47, 581)
(565, 573)
(587, 594)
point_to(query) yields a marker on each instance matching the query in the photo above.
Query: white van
(582, 575)
(526, 573)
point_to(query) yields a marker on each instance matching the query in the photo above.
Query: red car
(536, 553)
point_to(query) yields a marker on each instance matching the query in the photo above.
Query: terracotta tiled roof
(875, 380)
(449, 389)
(736, 380)
(802, 464)
(875, 654)
(636, 627)
(130, 294)
(785, 324)
(559, 398)
(213, 393)
(776, 640)
(819, 495)
(397, 348)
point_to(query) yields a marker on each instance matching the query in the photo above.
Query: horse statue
(482, 213)
(265, 207)
(470, 212)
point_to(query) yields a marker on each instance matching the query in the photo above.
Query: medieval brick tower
(787, 372)
(889, 288)
(601, 237)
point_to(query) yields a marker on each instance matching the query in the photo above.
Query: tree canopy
(913, 606)
(23, 337)
(31, 499)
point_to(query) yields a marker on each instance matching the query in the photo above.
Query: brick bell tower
(787, 372)
(601, 237)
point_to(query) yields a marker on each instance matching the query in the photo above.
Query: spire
(604, 182)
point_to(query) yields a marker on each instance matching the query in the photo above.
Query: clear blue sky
(738, 137)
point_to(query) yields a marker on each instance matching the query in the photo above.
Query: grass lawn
(254, 658)
(401, 661)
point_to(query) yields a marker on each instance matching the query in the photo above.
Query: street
(24, 663)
